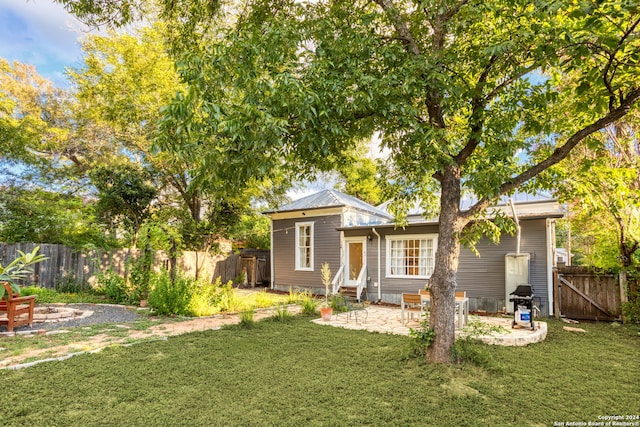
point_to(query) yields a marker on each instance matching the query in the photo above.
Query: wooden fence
(580, 293)
(82, 267)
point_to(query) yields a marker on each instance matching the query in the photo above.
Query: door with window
(355, 255)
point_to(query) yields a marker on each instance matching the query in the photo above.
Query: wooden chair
(425, 297)
(19, 309)
(463, 317)
(411, 303)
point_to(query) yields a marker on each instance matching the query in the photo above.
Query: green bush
(421, 338)
(69, 284)
(167, 298)
(51, 296)
(631, 309)
(140, 275)
(209, 298)
(114, 287)
(45, 296)
(309, 304)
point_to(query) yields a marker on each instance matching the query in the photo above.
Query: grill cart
(522, 299)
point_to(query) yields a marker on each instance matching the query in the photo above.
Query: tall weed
(209, 298)
(167, 298)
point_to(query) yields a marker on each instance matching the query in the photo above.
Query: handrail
(338, 279)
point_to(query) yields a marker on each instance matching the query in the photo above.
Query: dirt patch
(127, 336)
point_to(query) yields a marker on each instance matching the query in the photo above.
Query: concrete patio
(388, 320)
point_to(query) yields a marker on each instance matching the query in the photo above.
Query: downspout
(373, 229)
(515, 219)
(273, 273)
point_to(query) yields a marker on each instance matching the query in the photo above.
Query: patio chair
(19, 310)
(351, 306)
(462, 317)
(411, 303)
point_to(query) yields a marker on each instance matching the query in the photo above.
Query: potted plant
(326, 311)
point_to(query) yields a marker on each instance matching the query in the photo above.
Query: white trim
(551, 261)
(297, 247)
(272, 260)
(353, 239)
(379, 265)
(432, 236)
(306, 213)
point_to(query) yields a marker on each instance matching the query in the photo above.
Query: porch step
(352, 292)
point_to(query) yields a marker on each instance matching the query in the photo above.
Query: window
(410, 256)
(304, 246)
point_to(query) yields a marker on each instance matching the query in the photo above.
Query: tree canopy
(469, 96)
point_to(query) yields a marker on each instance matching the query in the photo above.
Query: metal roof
(330, 199)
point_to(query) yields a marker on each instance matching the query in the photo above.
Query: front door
(355, 259)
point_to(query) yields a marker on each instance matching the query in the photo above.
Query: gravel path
(102, 313)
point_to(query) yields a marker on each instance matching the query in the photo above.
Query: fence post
(556, 294)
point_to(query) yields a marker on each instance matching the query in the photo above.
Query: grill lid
(523, 291)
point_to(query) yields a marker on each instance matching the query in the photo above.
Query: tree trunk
(443, 280)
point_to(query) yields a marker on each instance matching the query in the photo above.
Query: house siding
(326, 248)
(483, 277)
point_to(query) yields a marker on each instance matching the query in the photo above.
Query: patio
(387, 320)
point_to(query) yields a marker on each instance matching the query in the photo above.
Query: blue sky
(41, 33)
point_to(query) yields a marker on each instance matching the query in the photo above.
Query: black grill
(522, 298)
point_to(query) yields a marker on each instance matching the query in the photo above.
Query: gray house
(378, 261)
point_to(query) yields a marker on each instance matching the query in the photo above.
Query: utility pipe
(373, 229)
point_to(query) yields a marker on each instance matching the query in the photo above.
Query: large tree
(601, 183)
(470, 96)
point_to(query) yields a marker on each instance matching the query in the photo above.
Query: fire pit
(53, 313)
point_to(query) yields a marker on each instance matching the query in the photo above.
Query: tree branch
(477, 106)
(559, 153)
(400, 25)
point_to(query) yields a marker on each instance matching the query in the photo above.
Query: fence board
(82, 267)
(583, 294)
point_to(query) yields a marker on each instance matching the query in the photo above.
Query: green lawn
(302, 374)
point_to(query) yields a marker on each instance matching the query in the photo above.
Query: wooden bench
(19, 310)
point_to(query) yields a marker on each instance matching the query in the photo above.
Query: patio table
(462, 307)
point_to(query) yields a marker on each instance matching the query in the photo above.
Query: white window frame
(391, 259)
(298, 247)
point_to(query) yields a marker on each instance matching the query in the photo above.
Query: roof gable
(330, 199)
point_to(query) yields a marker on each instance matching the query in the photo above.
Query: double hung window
(410, 256)
(304, 246)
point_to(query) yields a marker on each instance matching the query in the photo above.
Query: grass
(14, 346)
(299, 373)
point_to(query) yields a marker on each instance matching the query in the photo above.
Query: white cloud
(41, 33)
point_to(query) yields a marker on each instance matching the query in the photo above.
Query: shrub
(45, 295)
(631, 309)
(140, 275)
(114, 287)
(69, 284)
(209, 298)
(309, 304)
(167, 298)
(421, 339)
